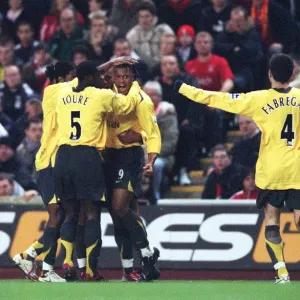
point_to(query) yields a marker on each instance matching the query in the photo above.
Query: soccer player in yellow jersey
(125, 165)
(78, 171)
(277, 114)
(61, 74)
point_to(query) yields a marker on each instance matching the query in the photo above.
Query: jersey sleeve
(147, 119)
(243, 104)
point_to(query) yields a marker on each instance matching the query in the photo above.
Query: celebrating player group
(95, 120)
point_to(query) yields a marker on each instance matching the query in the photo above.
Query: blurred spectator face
(247, 126)
(249, 183)
(34, 132)
(203, 44)
(25, 34)
(109, 79)
(6, 153)
(6, 188)
(169, 66)
(67, 21)
(221, 160)
(185, 40)
(40, 57)
(79, 58)
(94, 5)
(218, 3)
(122, 49)
(33, 110)
(12, 76)
(123, 79)
(6, 54)
(237, 20)
(145, 19)
(15, 4)
(98, 25)
(155, 97)
(61, 4)
(167, 45)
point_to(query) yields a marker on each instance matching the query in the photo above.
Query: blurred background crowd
(218, 45)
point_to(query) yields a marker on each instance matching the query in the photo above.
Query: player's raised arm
(235, 103)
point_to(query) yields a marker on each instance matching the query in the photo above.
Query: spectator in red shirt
(50, 24)
(212, 71)
(250, 191)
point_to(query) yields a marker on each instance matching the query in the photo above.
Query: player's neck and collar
(81, 86)
(279, 87)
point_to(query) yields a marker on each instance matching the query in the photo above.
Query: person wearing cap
(186, 37)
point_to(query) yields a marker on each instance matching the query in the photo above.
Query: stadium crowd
(218, 45)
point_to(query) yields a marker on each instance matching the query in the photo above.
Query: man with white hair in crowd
(167, 123)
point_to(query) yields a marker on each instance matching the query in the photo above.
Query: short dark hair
(81, 49)
(147, 5)
(60, 69)
(132, 68)
(86, 68)
(7, 176)
(281, 67)
(219, 147)
(32, 121)
(121, 40)
(6, 40)
(22, 23)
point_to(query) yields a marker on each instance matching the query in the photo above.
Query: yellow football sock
(37, 247)
(68, 252)
(276, 254)
(91, 260)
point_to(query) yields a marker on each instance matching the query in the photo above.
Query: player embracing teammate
(79, 118)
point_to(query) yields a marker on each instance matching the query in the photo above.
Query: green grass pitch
(174, 290)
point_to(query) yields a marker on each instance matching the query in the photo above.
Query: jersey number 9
(74, 123)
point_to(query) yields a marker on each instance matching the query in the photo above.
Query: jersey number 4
(75, 124)
(287, 132)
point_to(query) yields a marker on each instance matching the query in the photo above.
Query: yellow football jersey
(277, 114)
(81, 116)
(142, 120)
(49, 138)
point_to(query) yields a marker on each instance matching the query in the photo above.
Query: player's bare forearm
(227, 86)
(114, 62)
(152, 158)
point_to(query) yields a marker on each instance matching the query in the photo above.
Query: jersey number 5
(74, 123)
(287, 132)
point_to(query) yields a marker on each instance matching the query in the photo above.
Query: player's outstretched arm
(235, 103)
(116, 61)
